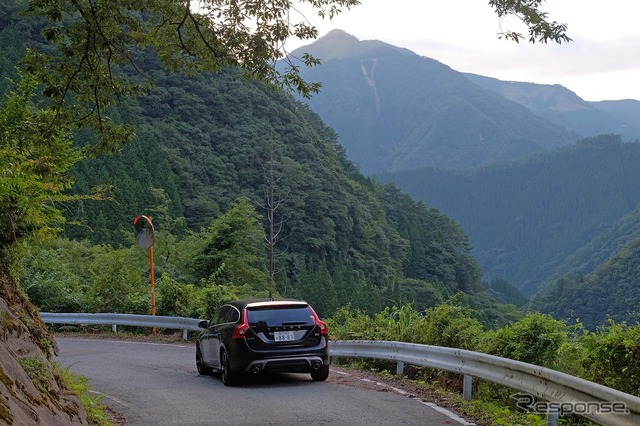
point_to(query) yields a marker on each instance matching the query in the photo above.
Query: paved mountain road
(158, 384)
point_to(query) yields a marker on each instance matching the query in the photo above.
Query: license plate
(283, 336)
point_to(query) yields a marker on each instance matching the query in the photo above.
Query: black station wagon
(254, 336)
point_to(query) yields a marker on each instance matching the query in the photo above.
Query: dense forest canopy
(611, 292)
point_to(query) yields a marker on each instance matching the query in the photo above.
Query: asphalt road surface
(158, 384)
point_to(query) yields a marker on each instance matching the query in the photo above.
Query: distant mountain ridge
(565, 108)
(395, 110)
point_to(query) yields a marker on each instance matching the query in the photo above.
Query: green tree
(233, 250)
(449, 325)
(34, 162)
(49, 280)
(316, 287)
(176, 299)
(120, 281)
(539, 27)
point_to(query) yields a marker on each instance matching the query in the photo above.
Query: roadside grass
(96, 411)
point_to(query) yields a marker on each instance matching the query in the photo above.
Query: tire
(202, 368)
(320, 375)
(229, 378)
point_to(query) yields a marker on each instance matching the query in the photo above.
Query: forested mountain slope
(205, 141)
(610, 292)
(527, 218)
(394, 110)
(600, 281)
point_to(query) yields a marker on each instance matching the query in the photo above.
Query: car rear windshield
(270, 316)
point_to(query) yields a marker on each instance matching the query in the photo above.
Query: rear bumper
(244, 360)
(297, 364)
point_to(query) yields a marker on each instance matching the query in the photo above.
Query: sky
(601, 63)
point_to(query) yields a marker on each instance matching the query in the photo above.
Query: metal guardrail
(563, 392)
(175, 323)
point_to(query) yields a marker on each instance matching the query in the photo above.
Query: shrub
(612, 356)
(176, 299)
(535, 339)
(448, 325)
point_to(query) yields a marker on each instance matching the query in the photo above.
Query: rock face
(31, 392)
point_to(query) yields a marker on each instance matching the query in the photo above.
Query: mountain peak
(341, 36)
(338, 44)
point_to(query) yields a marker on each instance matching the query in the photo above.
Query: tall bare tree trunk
(274, 199)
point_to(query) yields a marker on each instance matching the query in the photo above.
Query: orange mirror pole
(145, 237)
(153, 285)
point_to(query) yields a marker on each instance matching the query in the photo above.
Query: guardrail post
(114, 328)
(552, 415)
(185, 334)
(400, 368)
(467, 385)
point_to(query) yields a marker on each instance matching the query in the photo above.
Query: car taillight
(321, 324)
(241, 330)
(323, 327)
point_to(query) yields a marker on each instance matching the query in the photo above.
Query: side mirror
(203, 324)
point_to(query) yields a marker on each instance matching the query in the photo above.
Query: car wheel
(202, 368)
(229, 378)
(321, 374)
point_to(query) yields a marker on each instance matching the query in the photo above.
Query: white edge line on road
(450, 414)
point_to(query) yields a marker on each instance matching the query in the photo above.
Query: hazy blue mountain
(563, 107)
(533, 219)
(395, 110)
(629, 109)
